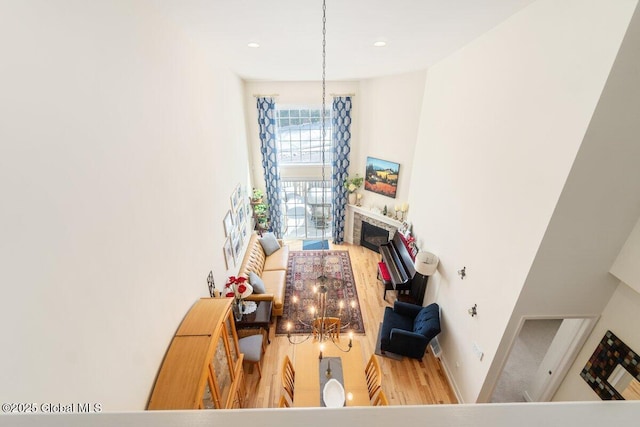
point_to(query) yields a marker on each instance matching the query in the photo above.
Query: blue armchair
(408, 328)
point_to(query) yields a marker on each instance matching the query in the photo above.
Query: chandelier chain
(324, 126)
(323, 333)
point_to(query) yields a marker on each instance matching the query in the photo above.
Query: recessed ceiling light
(253, 44)
(380, 43)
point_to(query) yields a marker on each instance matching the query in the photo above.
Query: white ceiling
(418, 33)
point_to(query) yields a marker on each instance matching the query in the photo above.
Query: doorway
(307, 209)
(539, 358)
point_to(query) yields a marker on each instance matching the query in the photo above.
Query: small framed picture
(238, 246)
(241, 214)
(228, 253)
(236, 198)
(247, 210)
(236, 223)
(234, 201)
(239, 193)
(235, 245)
(241, 239)
(228, 223)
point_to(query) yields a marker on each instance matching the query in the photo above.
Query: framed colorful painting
(381, 177)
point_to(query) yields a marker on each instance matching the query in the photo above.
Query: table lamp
(426, 263)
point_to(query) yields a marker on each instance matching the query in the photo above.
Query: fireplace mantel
(356, 214)
(375, 215)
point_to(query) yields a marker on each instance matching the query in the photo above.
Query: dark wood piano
(397, 271)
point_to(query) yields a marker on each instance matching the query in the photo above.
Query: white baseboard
(452, 382)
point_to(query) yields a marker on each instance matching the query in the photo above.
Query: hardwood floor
(405, 382)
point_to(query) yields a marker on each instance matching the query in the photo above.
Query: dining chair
(253, 348)
(284, 403)
(381, 399)
(331, 327)
(373, 373)
(288, 377)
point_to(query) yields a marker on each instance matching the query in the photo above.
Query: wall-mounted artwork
(228, 223)
(236, 198)
(241, 215)
(228, 253)
(244, 233)
(236, 245)
(381, 177)
(613, 371)
(236, 223)
(240, 240)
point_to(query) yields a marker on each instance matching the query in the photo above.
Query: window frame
(309, 147)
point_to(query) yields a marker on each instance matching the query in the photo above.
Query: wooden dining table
(307, 392)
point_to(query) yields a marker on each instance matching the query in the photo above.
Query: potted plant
(260, 209)
(257, 195)
(263, 223)
(352, 184)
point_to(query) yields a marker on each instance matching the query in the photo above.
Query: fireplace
(373, 236)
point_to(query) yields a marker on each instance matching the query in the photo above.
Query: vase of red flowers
(236, 307)
(238, 289)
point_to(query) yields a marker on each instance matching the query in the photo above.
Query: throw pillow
(257, 283)
(269, 243)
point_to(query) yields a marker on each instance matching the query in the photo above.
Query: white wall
(502, 122)
(597, 210)
(622, 317)
(113, 138)
(390, 114)
(626, 266)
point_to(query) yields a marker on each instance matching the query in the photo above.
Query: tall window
(306, 206)
(300, 133)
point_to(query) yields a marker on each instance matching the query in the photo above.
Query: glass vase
(237, 310)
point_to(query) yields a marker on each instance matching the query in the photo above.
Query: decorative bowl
(333, 394)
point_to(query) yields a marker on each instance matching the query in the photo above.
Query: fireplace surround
(372, 236)
(359, 218)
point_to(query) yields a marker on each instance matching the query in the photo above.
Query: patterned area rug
(303, 270)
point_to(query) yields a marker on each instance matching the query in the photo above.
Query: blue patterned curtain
(341, 116)
(267, 129)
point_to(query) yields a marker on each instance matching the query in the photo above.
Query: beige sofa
(272, 270)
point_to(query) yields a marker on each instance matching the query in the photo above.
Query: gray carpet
(386, 353)
(528, 351)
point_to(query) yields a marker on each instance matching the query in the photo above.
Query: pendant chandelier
(324, 328)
